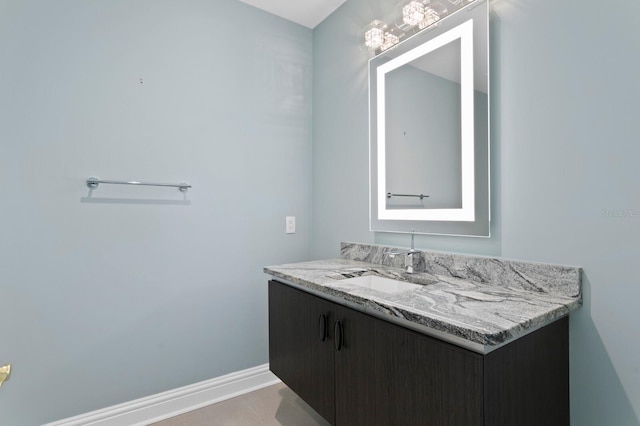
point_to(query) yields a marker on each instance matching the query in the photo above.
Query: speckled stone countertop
(475, 302)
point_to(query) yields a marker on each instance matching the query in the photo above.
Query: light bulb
(374, 34)
(390, 40)
(430, 18)
(440, 9)
(413, 13)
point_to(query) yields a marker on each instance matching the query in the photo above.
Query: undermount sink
(386, 285)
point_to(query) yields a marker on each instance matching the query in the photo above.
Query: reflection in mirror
(414, 138)
(429, 130)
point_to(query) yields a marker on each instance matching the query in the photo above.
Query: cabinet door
(297, 354)
(424, 381)
(527, 381)
(356, 397)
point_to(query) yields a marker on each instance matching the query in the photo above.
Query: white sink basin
(386, 285)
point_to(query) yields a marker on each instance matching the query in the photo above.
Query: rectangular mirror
(429, 129)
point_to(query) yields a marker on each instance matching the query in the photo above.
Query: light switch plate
(290, 227)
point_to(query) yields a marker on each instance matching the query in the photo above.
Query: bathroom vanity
(459, 348)
(395, 337)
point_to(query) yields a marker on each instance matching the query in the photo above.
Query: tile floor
(275, 405)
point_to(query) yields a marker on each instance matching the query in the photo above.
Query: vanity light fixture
(416, 15)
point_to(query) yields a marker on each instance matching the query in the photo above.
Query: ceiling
(308, 13)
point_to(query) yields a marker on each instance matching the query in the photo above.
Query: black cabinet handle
(338, 333)
(322, 327)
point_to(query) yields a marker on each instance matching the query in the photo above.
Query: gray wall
(564, 169)
(134, 291)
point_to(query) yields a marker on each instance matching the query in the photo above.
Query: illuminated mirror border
(463, 32)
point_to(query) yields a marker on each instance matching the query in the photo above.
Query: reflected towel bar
(421, 196)
(93, 183)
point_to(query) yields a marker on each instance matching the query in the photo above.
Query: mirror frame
(473, 217)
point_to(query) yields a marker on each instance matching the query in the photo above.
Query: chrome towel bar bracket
(93, 183)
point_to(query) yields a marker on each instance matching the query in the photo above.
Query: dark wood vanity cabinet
(355, 369)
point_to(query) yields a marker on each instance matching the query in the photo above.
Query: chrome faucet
(408, 260)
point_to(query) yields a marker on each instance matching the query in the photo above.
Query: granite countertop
(457, 301)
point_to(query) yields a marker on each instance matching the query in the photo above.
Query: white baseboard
(177, 401)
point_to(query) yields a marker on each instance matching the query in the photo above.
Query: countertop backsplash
(520, 275)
